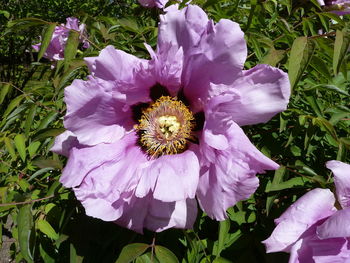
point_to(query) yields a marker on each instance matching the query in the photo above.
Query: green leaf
(291, 183)
(221, 260)
(224, 227)
(47, 229)
(164, 255)
(341, 46)
(71, 48)
(300, 56)
(47, 120)
(39, 172)
(30, 118)
(43, 134)
(25, 228)
(277, 179)
(9, 147)
(273, 57)
(5, 88)
(13, 104)
(20, 143)
(131, 252)
(46, 38)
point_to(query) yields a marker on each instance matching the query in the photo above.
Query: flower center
(165, 127)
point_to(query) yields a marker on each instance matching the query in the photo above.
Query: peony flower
(55, 50)
(339, 7)
(145, 138)
(153, 3)
(312, 229)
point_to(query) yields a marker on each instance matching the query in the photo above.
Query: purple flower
(312, 229)
(55, 50)
(153, 3)
(339, 7)
(146, 137)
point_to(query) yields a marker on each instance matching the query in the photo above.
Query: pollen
(165, 127)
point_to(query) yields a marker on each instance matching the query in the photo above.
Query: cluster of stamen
(165, 127)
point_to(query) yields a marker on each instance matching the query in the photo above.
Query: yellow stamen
(165, 127)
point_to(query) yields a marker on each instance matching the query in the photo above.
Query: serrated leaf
(300, 55)
(164, 255)
(131, 252)
(46, 38)
(47, 229)
(341, 46)
(20, 143)
(25, 225)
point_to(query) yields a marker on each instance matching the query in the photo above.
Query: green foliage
(43, 222)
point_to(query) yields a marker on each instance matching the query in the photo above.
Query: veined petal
(130, 75)
(64, 143)
(179, 214)
(299, 217)
(341, 172)
(170, 177)
(213, 61)
(92, 106)
(256, 97)
(337, 225)
(229, 168)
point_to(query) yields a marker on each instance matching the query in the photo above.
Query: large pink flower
(146, 137)
(312, 229)
(55, 50)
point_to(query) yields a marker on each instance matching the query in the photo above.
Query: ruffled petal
(64, 143)
(341, 172)
(337, 225)
(153, 3)
(92, 106)
(129, 74)
(299, 217)
(179, 214)
(256, 97)
(213, 60)
(100, 159)
(170, 177)
(229, 165)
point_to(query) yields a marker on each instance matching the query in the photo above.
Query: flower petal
(64, 143)
(170, 177)
(92, 107)
(256, 97)
(213, 60)
(341, 172)
(228, 168)
(337, 225)
(299, 217)
(129, 74)
(179, 214)
(88, 160)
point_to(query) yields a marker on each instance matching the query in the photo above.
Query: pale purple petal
(87, 160)
(341, 172)
(337, 225)
(214, 60)
(170, 177)
(299, 217)
(229, 167)
(64, 143)
(93, 106)
(129, 74)
(180, 214)
(256, 97)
